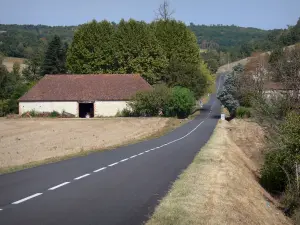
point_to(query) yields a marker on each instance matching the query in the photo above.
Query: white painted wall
(70, 107)
(108, 108)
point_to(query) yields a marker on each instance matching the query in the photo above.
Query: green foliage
(181, 103)
(55, 58)
(162, 101)
(24, 40)
(54, 114)
(177, 41)
(137, 50)
(279, 167)
(227, 95)
(243, 112)
(33, 113)
(93, 49)
(151, 103)
(187, 75)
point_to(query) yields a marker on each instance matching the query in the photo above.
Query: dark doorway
(86, 110)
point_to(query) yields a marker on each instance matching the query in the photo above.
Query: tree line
(163, 52)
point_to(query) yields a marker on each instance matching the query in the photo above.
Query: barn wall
(70, 107)
(108, 108)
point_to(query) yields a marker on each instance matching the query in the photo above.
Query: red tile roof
(101, 87)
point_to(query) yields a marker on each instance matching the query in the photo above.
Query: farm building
(81, 95)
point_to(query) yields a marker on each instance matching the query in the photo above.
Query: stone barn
(82, 95)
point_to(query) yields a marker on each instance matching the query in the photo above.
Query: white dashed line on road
(58, 186)
(103, 168)
(113, 164)
(83, 176)
(124, 160)
(27, 198)
(133, 156)
(141, 153)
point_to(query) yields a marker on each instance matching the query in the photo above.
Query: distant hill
(225, 37)
(21, 40)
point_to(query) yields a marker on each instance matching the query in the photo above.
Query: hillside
(22, 40)
(226, 37)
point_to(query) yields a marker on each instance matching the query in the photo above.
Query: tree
(227, 95)
(188, 76)
(164, 12)
(93, 49)
(177, 41)
(138, 51)
(55, 57)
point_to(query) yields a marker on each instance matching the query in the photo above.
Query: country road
(121, 186)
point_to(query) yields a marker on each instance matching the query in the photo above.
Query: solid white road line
(124, 160)
(103, 168)
(113, 164)
(58, 186)
(83, 176)
(27, 198)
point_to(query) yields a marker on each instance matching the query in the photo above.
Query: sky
(264, 14)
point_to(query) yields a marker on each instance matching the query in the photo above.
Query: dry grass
(220, 187)
(228, 68)
(26, 143)
(9, 63)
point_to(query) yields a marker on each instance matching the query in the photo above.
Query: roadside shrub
(54, 114)
(162, 101)
(181, 103)
(150, 103)
(279, 167)
(126, 113)
(243, 112)
(33, 113)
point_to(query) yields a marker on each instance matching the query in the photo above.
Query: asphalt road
(121, 186)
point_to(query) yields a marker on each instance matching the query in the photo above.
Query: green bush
(151, 103)
(162, 101)
(4, 107)
(33, 113)
(181, 103)
(243, 112)
(54, 114)
(279, 168)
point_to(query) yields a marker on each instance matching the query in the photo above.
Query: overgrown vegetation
(162, 101)
(270, 85)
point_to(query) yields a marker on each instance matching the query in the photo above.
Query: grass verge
(171, 125)
(219, 187)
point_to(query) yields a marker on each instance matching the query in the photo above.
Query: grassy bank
(220, 186)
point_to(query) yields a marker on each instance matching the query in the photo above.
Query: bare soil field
(9, 63)
(25, 141)
(220, 186)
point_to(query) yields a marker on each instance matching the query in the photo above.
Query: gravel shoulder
(24, 141)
